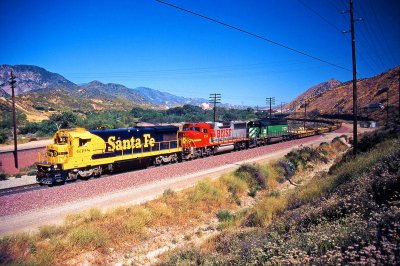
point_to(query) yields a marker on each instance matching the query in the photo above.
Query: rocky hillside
(31, 78)
(312, 92)
(338, 99)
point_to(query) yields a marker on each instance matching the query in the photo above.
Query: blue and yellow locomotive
(84, 153)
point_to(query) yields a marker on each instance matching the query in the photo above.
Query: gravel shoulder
(15, 220)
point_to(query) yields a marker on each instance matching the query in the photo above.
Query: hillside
(338, 99)
(313, 91)
(346, 216)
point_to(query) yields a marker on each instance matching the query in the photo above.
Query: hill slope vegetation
(350, 216)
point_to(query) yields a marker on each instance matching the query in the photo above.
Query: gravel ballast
(53, 196)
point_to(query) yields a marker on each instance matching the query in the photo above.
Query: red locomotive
(205, 139)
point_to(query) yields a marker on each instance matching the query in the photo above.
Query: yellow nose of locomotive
(56, 153)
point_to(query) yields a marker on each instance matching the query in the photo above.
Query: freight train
(80, 153)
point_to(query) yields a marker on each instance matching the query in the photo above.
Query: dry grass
(349, 216)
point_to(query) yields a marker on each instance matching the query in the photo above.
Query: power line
(340, 8)
(371, 38)
(331, 24)
(319, 15)
(383, 36)
(253, 34)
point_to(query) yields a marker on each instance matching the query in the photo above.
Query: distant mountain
(167, 99)
(312, 92)
(39, 91)
(34, 81)
(31, 78)
(96, 89)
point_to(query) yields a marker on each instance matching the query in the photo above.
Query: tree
(65, 120)
(7, 119)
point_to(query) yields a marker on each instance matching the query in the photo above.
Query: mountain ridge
(36, 85)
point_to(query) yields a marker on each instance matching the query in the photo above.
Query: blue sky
(145, 43)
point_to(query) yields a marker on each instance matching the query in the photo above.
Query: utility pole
(353, 53)
(12, 84)
(305, 112)
(282, 103)
(387, 107)
(270, 101)
(214, 99)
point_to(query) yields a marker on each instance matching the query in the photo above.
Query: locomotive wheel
(85, 174)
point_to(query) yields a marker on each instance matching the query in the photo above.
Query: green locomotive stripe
(253, 132)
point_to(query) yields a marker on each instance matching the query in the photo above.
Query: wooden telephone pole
(12, 84)
(214, 99)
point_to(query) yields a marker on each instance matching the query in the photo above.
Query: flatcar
(82, 153)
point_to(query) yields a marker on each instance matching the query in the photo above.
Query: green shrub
(289, 168)
(253, 175)
(205, 191)
(304, 155)
(49, 231)
(3, 176)
(274, 193)
(87, 237)
(224, 215)
(168, 193)
(3, 135)
(253, 192)
(93, 215)
(194, 257)
(139, 218)
(31, 173)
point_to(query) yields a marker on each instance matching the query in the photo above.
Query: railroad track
(20, 189)
(22, 150)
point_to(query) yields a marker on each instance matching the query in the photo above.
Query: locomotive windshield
(61, 140)
(191, 129)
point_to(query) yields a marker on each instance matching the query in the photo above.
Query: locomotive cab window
(61, 140)
(83, 142)
(239, 126)
(205, 130)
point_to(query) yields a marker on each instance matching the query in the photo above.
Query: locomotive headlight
(49, 169)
